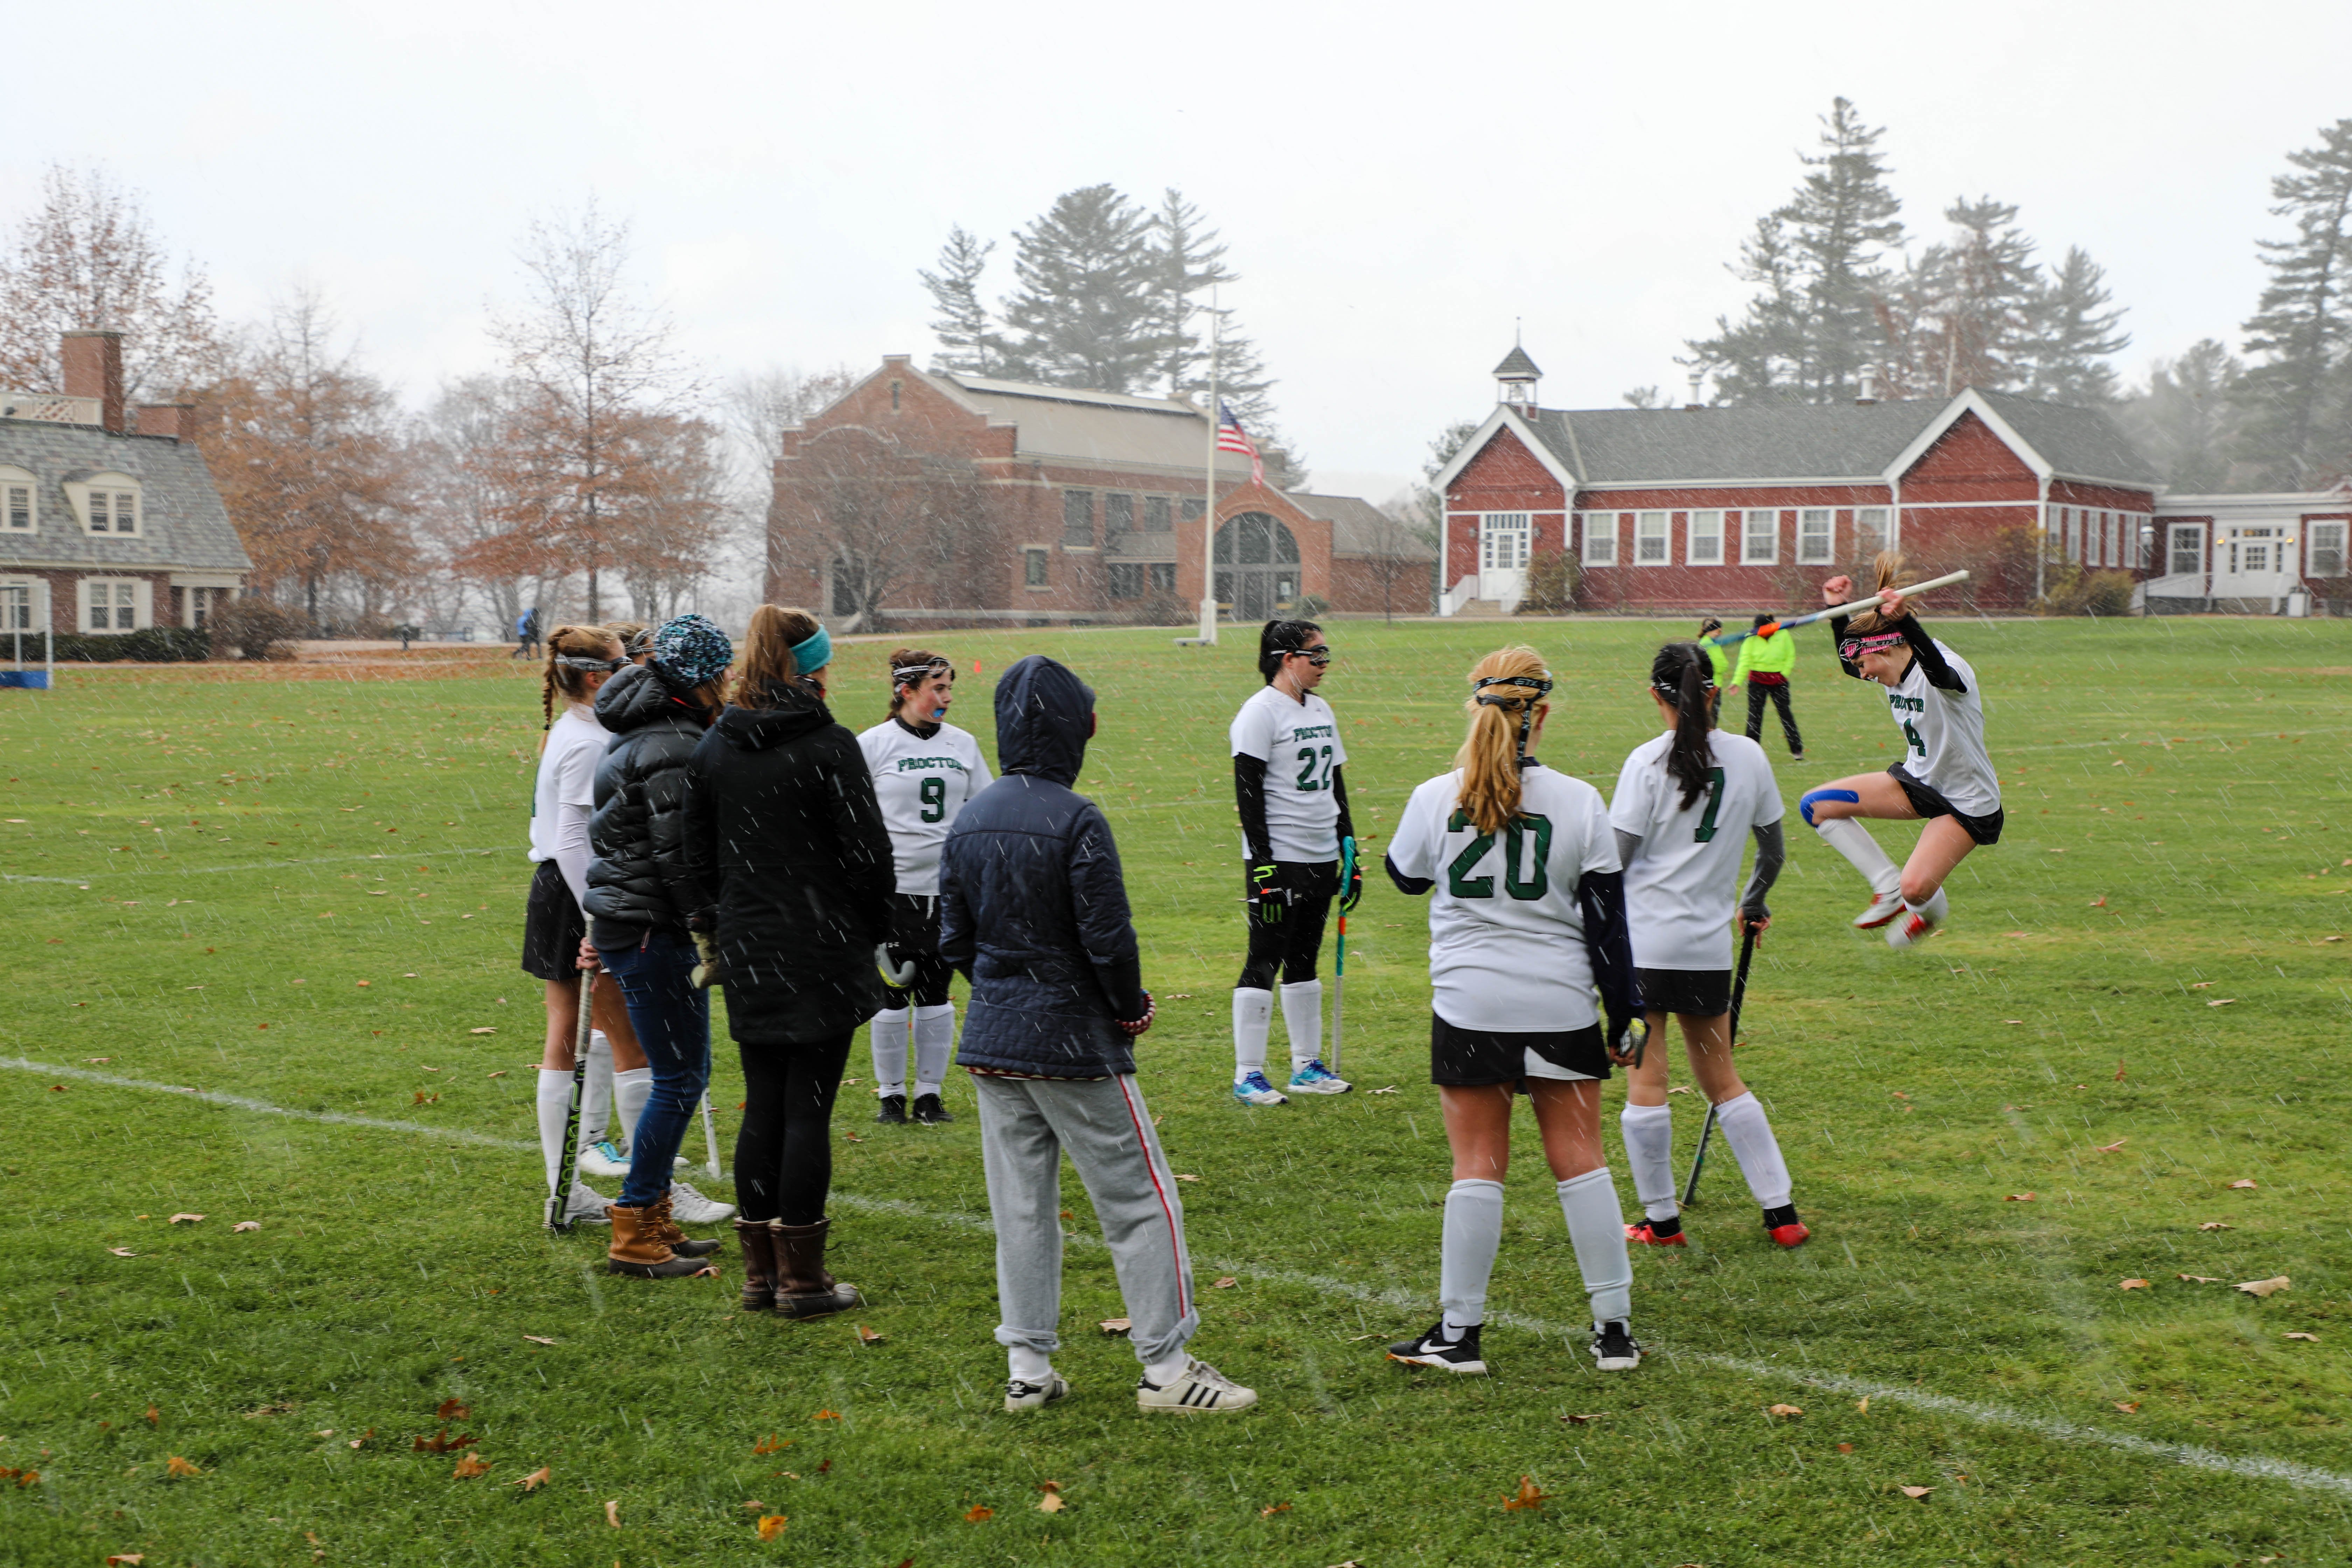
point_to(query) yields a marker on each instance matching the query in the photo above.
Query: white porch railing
(1450, 603)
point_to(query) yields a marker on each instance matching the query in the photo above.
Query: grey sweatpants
(1027, 1125)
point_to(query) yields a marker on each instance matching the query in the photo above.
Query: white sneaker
(1201, 1388)
(1020, 1395)
(1316, 1079)
(587, 1207)
(1912, 928)
(1254, 1090)
(603, 1159)
(1884, 907)
(690, 1207)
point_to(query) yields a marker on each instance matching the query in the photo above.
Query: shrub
(2068, 590)
(1554, 579)
(1306, 606)
(149, 645)
(255, 629)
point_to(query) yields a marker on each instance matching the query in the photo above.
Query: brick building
(1751, 508)
(108, 519)
(2257, 554)
(932, 497)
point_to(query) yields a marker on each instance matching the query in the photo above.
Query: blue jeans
(672, 1020)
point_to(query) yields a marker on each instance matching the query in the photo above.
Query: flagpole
(1208, 501)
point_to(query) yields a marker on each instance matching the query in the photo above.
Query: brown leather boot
(676, 1240)
(637, 1249)
(758, 1237)
(803, 1288)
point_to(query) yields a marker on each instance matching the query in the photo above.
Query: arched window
(1257, 566)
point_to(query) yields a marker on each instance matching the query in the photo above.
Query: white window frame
(1771, 552)
(1885, 535)
(1704, 540)
(1515, 530)
(1600, 530)
(1825, 554)
(31, 604)
(2143, 542)
(2173, 552)
(1663, 538)
(2339, 531)
(142, 606)
(19, 485)
(2111, 543)
(115, 488)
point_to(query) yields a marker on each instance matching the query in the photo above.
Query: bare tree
(1396, 557)
(458, 462)
(875, 519)
(668, 528)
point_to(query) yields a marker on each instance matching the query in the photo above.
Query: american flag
(1232, 437)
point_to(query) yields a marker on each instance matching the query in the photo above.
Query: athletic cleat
(1316, 1079)
(1645, 1235)
(1614, 1347)
(690, 1207)
(1434, 1349)
(930, 1111)
(1796, 756)
(1020, 1395)
(1201, 1390)
(1884, 907)
(1254, 1090)
(1912, 927)
(604, 1158)
(894, 1111)
(587, 1207)
(1783, 1226)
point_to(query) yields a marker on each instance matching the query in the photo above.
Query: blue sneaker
(1316, 1079)
(1254, 1090)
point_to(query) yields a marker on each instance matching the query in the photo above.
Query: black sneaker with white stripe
(1614, 1346)
(1020, 1395)
(1434, 1349)
(1202, 1389)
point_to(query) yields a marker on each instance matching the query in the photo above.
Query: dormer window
(108, 503)
(16, 486)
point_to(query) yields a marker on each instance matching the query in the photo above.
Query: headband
(1852, 649)
(582, 661)
(1526, 713)
(906, 673)
(812, 655)
(1670, 690)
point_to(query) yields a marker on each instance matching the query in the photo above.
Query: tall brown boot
(803, 1288)
(758, 1237)
(637, 1249)
(676, 1240)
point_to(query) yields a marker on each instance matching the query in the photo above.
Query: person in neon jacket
(1765, 661)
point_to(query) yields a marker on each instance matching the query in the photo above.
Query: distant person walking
(527, 627)
(1765, 661)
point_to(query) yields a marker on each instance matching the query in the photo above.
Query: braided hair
(1684, 676)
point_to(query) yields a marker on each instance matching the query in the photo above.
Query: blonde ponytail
(1506, 688)
(1888, 568)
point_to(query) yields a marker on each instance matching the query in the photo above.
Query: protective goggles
(1318, 656)
(1852, 649)
(582, 661)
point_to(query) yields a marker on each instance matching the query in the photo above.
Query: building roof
(2080, 443)
(1516, 363)
(1359, 527)
(183, 523)
(1097, 426)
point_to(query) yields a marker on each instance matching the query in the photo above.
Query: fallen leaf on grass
(2221, 1002)
(1391, 1090)
(425, 1098)
(184, 1219)
(1182, 1177)
(470, 1466)
(853, 1137)
(442, 1442)
(1678, 1089)
(2129, 1406)
(491, 1029)
(2019, 1198)
(361, 1441)
(1270, 1513)
(2313, 1338)
(1528, 1496)
(176, 1466)
(978, 1512)
(247, 1224)
(2135, 1285)
(454, 1410)
(1051, 1503)
(132, 1557)
(531, 1482)
(1785, 1410)
(2119, 1070)
(1845, 1447)
(2246, 1185)
(1584, 1420)
(500, 1073)
(2199, 1279)
(2100, 902)
(1863, 1405)
(2012, 1020)
(2264, 1287)
(2216, 1225)
(1915, 1491)
(1227, 1283)
(775, 1445)
(826, 1415)
(866, 1336)
(122, 1252)
(613, 1512)
(539, 1339)
(771, 1525)
(2115, 1147)
(1117, 1325)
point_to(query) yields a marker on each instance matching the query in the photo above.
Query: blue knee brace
(1805, 806)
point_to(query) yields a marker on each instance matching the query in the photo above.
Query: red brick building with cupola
(1730, 509)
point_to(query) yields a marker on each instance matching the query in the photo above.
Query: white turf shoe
(604, 1158)
(1020, 1395)
(587, 1207)
(1316, 1079)
(1201, 1388)
(1912, 928)
(1884, 907)
(690, 1207)
(1614, 1348)
(1254, 1090)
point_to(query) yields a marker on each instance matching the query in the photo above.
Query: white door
(1503, 539)
(2253, 560)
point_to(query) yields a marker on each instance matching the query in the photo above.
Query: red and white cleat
(1884, 907)
(1912, 928)
(1644, 1236)
(1793, 1234)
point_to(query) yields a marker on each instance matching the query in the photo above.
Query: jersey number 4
(1314, 768)
(933, 793)
(1461, 885)
(1912, 736)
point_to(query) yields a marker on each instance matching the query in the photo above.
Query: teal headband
(813, 655)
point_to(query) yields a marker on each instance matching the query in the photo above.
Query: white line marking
(259, 866)
(2256, 1466)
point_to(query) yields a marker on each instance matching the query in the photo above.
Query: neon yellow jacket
(1717, 658)
(1775, 655)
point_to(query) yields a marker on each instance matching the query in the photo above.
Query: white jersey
(920, 785)
(567, 773)
(1506, 935)
(1683, 887)
(1943, 736)
(1300, 744)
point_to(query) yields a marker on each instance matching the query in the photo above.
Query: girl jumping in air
(1296, 834)
(1528, 920)
(1945, 776)
(1687, 801)
(924, 769)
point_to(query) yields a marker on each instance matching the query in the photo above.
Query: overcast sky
(1396, 183)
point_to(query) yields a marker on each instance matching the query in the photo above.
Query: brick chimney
(170, 420)
(93, 365)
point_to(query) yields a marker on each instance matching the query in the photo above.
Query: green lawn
(306, 894)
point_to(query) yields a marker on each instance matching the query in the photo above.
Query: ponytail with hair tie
(1684, 675)
(1504, 689)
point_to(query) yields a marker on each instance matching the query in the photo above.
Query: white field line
(257, 866)
(2054, 1429)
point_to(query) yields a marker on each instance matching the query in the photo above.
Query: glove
(1630, 1036)
(1353, 893)
(1267, 895)
(899, 975)
(1132, 1028)
(713, 970)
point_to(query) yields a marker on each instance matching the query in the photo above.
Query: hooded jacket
(1033, 906)
(782, 826)
(639, 880)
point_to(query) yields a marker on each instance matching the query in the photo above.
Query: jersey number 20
(1461, 885)
(933, 793)
(1310, 761)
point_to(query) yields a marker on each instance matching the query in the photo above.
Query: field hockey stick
(567, 1165)
(1738, 995)
(709, 1138)
(1340, 967)
(1793, 622)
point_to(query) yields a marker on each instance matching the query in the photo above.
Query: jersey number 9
(933, 793)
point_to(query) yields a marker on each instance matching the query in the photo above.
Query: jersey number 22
(1310, 761)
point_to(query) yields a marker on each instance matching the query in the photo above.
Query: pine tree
(1187, 259)
(2299, 426)
(2186, 419)
(1988, 292)
(969, 343)
(1757, 361)
(2073, 335)
(1083, 307)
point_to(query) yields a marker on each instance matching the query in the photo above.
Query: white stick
(709, 1138)
(1945, 581)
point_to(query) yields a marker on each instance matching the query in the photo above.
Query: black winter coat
(639, 879)
(1032, 905)
(782, 826)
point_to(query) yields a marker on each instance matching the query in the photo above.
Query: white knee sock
(631, 1089)
(1253, 1019)
(1854, 841)
(1302, 1019)
(554, 1110)
(1028, 1365)
(889, 1042)
(596, 1099)
(1649, 1133)
(1758, 1152)
(1934, 908)
(1474, 1230)
(934, 1037)
(1596, 1228)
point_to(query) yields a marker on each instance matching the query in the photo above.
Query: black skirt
(1930, 802)
(1700, 992)
(1474, 1058)
(551, 927)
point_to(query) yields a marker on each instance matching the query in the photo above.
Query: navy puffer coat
(1033, 906)
(639, 879)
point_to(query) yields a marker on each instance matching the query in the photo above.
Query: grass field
(303, 899)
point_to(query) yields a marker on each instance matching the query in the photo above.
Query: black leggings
(1778, 697)
(783, 1150)
(1291, 944)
